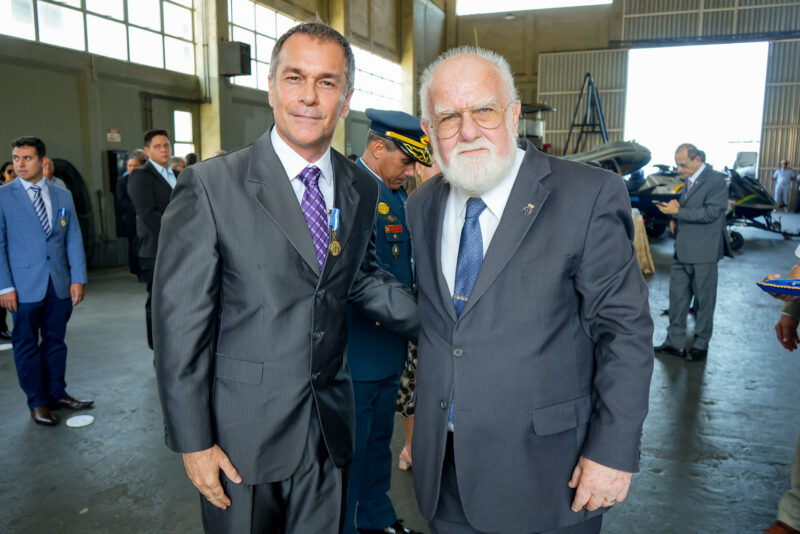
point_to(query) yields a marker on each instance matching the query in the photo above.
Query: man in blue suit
(42, 274)
(375, 354)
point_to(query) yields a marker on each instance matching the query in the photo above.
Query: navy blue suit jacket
(373, 351)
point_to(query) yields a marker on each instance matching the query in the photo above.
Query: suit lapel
(522, 209)
(346, 198)
(24, 201)
(159, 177)
(699, 181)
(271, 189)
(436, 204)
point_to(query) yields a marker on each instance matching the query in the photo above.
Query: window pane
(284, 23)
(263, 76)
(245, 36)
(17, 17)
(181, 149)
(265, 21)
(61, 26)
(146, 13)
(187, 3)
(264, 47)
(146, 47)
(178, 21)
(179, 55)
(106, 37)
(183, 127)
(243, 13)
(111, 8)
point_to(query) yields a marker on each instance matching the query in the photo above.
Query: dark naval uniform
(376, 357)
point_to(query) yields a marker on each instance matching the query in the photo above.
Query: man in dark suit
(376, 355)
(150, 187)
(261, 250)
(535, 347)
(42, 277)
(700, 242)
(136, 159)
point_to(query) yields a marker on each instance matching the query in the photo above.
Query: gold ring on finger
(609, 501)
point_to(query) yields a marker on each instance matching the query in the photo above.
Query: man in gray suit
(535, 348)
(260, 250)
(700, 242)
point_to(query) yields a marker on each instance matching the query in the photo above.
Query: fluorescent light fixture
(475, 7)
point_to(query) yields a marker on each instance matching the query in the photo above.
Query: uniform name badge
(62, 213)
(335, 247)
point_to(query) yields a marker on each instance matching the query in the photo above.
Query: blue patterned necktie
(470, 258)
(315, 212)
(41, 211)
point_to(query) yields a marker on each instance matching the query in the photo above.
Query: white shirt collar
(163, 171)
(27, 185)
(697, 173)
(293, 162)
(495, 198)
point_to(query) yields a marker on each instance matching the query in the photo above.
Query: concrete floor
(715, 456)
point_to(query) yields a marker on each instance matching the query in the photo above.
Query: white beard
(476, 175)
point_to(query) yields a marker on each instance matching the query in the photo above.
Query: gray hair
(321, 31)
(503, 69)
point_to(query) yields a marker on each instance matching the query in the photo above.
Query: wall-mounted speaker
(234, 58)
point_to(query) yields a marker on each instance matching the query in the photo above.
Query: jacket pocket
(562, 417)
(229, 368)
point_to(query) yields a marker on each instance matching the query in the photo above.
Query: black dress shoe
(696, 355)
(395, 528)
(72, 403)
(42, 416)
(669, 349)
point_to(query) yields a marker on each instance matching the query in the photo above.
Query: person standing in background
(150, 187)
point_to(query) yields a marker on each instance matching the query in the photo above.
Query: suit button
(377, 323)
(458, 353)
(48, 257)
(317, 334)
(314, 377)
(320, 293)
(443, 405)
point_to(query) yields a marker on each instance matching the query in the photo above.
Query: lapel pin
(527, 210)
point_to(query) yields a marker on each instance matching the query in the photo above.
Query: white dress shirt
(168, 175)
(693, 177)
(456, 210)
(293, 163)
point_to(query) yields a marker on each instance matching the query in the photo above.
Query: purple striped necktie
(315, 212)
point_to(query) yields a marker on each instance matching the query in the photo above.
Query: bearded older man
(535, 351)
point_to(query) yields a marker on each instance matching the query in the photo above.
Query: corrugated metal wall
(559, 84)
(698, 20)
(780, 131)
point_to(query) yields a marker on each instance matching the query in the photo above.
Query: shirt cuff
(7, 290)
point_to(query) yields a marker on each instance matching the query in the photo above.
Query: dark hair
(692, 151)
(191, 158)
(322, 32)
(35, 142)
(388, 143)
(150, 134)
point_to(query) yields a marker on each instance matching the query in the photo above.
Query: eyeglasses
(448, 124)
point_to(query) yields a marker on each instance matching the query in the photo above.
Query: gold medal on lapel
(383, 208)
(63, 222)
(335, 248)
(395, 251)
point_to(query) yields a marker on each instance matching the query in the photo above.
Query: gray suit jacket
(551, 357)
(701, 235)
(249, 338)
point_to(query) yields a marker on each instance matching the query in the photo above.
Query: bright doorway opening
(709, 95)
